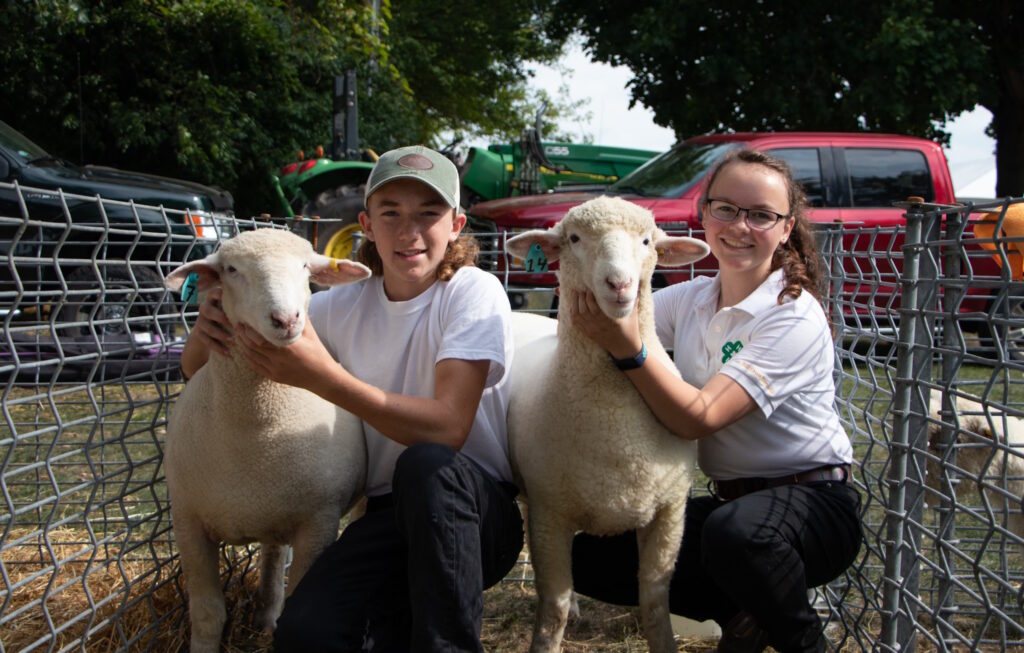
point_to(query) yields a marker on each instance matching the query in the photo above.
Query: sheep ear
(550, 243)
(207, 269)
(674, 251)
(328, 271)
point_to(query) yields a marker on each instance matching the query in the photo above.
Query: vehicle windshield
(672, 173)
(20, 146)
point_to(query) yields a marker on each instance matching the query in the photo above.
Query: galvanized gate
(930, 386)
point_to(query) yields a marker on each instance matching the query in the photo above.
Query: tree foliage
(895, 65)
(225, 91)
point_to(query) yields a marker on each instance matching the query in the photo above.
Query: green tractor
(532, 166)
(324, 195)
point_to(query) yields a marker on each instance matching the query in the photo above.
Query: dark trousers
(758, 553)
(410, 574)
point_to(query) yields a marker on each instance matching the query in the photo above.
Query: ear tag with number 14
(535, 259)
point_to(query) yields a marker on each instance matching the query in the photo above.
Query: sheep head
(265, 277)
(609, 246)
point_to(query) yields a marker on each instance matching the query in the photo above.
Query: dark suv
(84, 248)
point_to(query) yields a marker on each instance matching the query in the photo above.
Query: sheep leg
(270, 594)
(551, 554)
(200, 566)
(658, 545)
(309, 541)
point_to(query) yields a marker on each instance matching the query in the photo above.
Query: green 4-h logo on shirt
(730, 348)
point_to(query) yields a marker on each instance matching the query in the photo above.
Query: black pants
(409, 575)
(758, 553)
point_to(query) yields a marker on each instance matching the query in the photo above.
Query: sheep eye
(647, 241)
(573, 238)
(231, 269)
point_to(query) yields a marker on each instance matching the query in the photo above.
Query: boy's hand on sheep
(300, 364)
(620, 338)
(212, 327)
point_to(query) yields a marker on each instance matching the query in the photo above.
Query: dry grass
(130, 606)
(84, 595)
(122, 605)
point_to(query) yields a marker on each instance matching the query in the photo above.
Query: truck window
(805, 164)
(879, 177)
(672, 173)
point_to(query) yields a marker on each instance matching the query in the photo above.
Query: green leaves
(226, 91)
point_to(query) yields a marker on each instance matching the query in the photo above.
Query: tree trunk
(1004, 22)
(1008, 120)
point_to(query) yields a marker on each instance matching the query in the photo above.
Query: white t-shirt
(781, 354)
(396, 345)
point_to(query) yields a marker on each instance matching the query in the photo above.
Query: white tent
(975, 178)
(982, 187)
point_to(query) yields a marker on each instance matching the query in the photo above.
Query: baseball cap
(420, 163)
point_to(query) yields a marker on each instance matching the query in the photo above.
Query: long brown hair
(798, 256)
(460, 253)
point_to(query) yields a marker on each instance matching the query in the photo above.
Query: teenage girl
(754, 348)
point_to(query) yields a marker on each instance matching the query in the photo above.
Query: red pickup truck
(849, 178)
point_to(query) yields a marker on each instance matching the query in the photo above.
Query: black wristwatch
(632, 362)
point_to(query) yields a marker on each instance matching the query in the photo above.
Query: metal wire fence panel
(929, 328)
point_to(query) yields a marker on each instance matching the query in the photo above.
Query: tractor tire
(338, 232)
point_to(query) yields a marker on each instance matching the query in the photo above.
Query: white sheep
(989, 456)
(587, 452)
(251, 460)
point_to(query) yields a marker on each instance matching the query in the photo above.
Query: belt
(736, 488)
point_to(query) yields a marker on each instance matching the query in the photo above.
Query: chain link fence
(928, 322)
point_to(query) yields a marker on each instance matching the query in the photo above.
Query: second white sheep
(588, 453)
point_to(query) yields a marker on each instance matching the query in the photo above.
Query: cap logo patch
(416, 162)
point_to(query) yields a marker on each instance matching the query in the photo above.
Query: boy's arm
(445, 418)
(211, 332)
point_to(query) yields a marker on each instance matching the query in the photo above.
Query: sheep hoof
(574, 607)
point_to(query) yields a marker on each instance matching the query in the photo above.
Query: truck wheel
(338, 230)
(122, 299)
(1008, 334)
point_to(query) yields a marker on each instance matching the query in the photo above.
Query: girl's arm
(686, 410)
(446, 418)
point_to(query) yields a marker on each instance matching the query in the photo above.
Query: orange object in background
(1012, 227)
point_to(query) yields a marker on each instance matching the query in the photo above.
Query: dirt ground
(508, 624)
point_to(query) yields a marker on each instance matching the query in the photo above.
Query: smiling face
(739, 249)
(411, 226)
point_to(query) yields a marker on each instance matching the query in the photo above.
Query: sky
(970, 155)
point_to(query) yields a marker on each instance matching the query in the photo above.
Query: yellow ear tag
(334, 265)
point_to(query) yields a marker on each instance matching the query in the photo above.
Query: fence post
(905, 476)
(951, 355)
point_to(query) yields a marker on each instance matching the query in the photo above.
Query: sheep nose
(284, 321)
(618, 284)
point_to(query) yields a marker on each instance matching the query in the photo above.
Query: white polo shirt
(781, 354)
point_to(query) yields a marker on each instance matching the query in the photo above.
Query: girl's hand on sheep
(620, 338)
(300, 364)
(212, 327)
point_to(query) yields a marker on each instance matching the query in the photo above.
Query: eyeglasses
(759, 219)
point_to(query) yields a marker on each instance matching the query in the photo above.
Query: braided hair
(798, 257)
